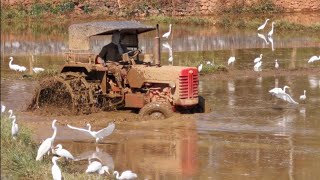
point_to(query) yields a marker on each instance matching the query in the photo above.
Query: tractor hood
(140, 74)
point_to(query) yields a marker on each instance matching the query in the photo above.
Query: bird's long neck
(54, 162)
(284, 89)
(304, 92)
(117, 174)
(14, 121)
(170, 28)
(10, 63)
(10, 114)
(54, 132)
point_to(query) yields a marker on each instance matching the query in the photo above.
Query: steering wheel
(134, 53)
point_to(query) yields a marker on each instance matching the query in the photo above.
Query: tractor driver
(114, 50)
(112, 53)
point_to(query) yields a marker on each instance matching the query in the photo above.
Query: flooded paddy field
(248, 135)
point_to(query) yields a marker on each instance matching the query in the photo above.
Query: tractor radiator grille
(188, 86)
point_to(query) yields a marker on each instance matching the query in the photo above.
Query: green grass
(206, 68)
(18, 157)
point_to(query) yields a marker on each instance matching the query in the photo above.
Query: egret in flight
(281, 94)
(55, 170)
(125, 175)
(96, 166)
(313, 58)
(231, 60)
(271, 32)
(303, 97)
(47, 144)
(167, 34)
(14, 128)
(258, 59)
(62, 152)
(97, 134)
(263, 25)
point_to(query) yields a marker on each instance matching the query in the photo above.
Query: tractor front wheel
(156, 111)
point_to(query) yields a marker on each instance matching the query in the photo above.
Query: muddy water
(248, 135)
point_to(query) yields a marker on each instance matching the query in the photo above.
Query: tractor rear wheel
(156, 111)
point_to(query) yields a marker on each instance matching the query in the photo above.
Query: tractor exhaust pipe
(156, 48)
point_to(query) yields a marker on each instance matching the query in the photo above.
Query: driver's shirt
(110, 52)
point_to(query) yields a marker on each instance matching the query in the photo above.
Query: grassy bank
(18, 157)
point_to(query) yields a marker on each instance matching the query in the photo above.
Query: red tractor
(84, 86)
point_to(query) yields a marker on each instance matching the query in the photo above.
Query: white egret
(47, 144)
(97, 134)
(170, 59)
(280, 93)
(62, 152)
(257, 66)
(37, 69)
(313, 58)
(96, 166)
(15, 67)
(3, 108)
(277, 90)
(14, 128)
(231, 60)
(167, 34)
(55, 170)
(263, 25)
(125, 175)
(200, 68)
(303, 97)
(276, 64)
(271, 32)
(258, 59)
(263, 37)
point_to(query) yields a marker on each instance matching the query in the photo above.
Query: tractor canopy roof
(79, 34)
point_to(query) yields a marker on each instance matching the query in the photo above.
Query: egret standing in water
(125, 175)
(276, 64)
(231, 60)
(55, 170)
(271, 32)
(97, 134)
(258, 59)
(263, 25)
(257, 66)
(167, 34)
(303, 97)
(62, 152)
(14, 128)
(47, 144)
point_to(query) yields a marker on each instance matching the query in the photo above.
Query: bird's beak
(108, 172)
